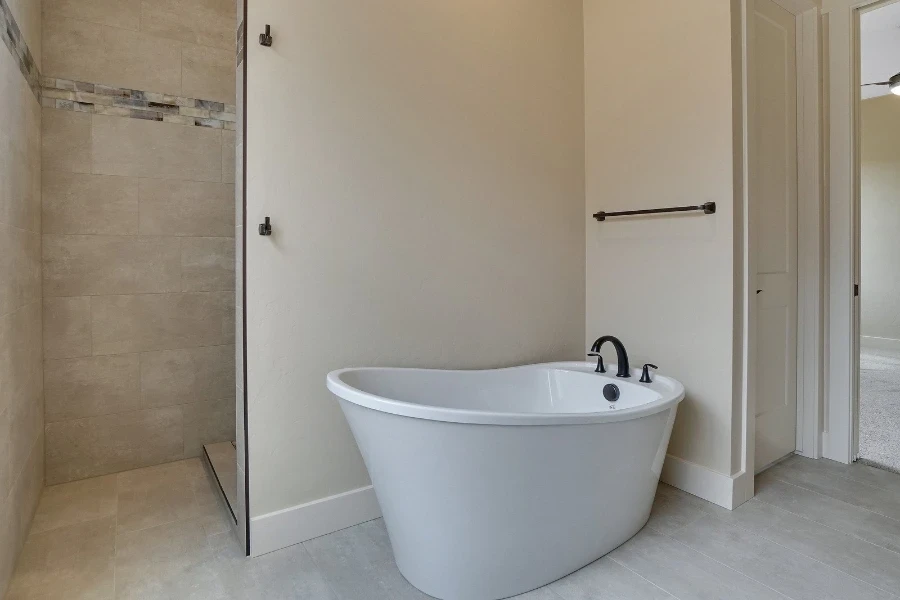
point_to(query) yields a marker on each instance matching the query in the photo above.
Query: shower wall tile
(86, 387)
(66, 144)
(20, 257)
(207, 264)
(153, 149)
(20, 155)
(67, 327)
(207, 422)
(89, 204)
(27, 14)
(208, 73)
(135, 323)
(124, 14)
(204, 22)
(228, 156)
(110, 443)
(88, 265)
(83, 51)
(22, 382)
(186, 208)
(171, 377)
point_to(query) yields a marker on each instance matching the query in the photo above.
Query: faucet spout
(621, 354)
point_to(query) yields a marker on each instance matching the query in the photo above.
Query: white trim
(879, 343)
(809, 239)
(296, 524)
(725, 490)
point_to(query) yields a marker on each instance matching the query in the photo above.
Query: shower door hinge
(856, 290)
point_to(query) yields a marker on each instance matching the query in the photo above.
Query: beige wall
(658, 106)
(21, 394)
(427, 200)
(138, 248)
(880, 217)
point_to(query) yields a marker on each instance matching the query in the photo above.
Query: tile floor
(816, 530)
(879, 408)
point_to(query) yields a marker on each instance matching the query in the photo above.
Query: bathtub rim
(672, 392)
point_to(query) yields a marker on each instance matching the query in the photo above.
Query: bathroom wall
(21, 394)
(138, 235)
(880, 220)
(427, 200)
(659, 132)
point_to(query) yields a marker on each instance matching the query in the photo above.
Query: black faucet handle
(600, 367)
(645, 373)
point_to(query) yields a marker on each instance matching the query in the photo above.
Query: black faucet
(621, 355)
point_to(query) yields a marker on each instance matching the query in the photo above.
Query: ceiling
(880, 42)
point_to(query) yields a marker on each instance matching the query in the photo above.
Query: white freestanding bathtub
(493, 483)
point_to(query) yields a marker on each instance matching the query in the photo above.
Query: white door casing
(773, 201)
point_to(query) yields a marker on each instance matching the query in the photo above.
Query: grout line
(627, 568)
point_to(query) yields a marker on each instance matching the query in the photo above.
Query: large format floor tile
(162, 533)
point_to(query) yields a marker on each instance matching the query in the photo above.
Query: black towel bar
(708, 208)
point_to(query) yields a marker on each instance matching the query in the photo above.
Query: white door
(773, 200)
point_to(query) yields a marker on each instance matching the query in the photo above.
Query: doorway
(878, 310)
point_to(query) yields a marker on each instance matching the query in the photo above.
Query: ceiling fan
(894, 82)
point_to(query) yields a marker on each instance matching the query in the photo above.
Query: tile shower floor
(815, 530)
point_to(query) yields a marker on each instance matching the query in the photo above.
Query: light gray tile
(207, 264)
(208, 73)
(671, 511)
(155, 496)
(89, 204)
(67, 327)
(75, 561)
(828, 511)
(228, 156)
(112, 443)
(20, 256)
(186, 208)
(287, 573)
(75, 502)
(152, 149)
(357, 564)
(124, 14)
(204, 22)
(75, 388)
(686, 573)
(66, 141)
(137, 323)
(89, 265)
(784, 570)
(170, 377)
(83, 51)
(606, 579)
(206, 423)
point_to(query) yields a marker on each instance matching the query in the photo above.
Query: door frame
(840, 438)
(810, 244)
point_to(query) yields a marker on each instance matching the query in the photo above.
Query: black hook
(265, 39)
(265, 228)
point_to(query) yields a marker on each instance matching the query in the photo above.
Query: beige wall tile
(27, 14)
(84, 51)
(228, 156)
(67, 327)
(20, 268)
(161, 321)
(76, 502)
(125, 14)
(208, 73)
(204, 22)
(75, 388)
(153, 149)
(76, 561)
(207, 264)
(186, 208)
(26, 491)
(20, 150)
(89, 204)
(5, 467)
(22, 381)
(88, 265)
(66, 141)
(171, 377)
(112, 443)
(207, 423)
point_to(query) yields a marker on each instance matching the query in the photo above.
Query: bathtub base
(483, 512)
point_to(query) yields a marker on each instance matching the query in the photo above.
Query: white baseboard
(879, 343)
(296, 524)
(725, 490)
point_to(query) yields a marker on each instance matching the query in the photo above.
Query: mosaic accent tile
(239, 44)
(101, 99)
(12, 37)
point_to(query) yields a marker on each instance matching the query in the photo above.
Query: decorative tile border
(100, 99)
(12, 37)
(239, 49)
